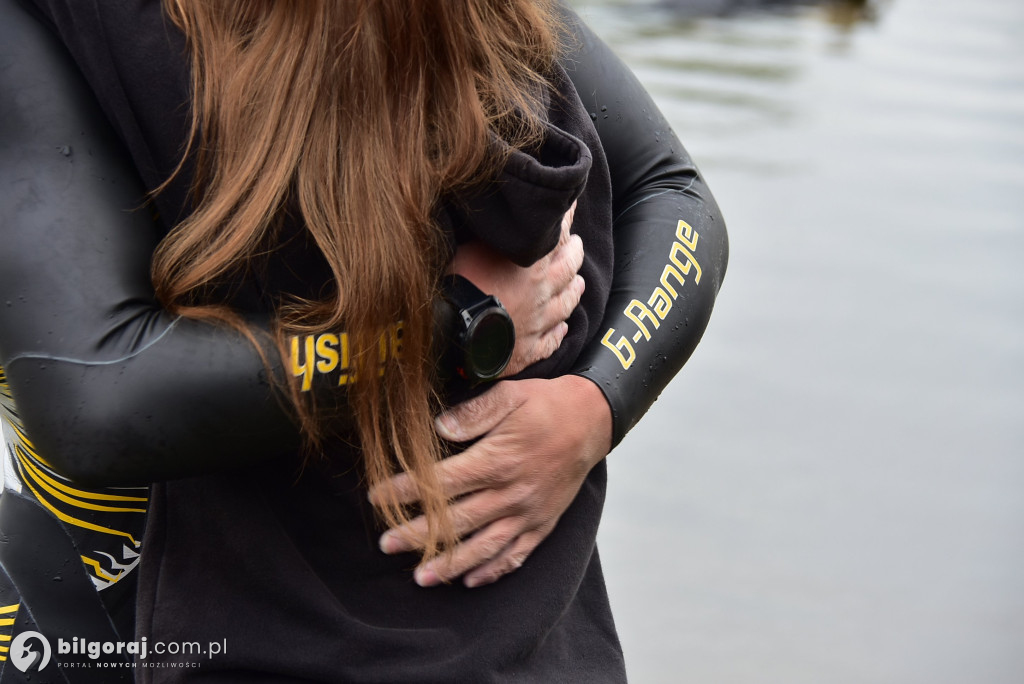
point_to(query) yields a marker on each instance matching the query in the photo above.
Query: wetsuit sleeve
(110, 388)
(671, 247)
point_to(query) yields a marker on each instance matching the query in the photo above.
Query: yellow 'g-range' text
(648, 317)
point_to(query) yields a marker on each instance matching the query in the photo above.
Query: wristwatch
(478, 332)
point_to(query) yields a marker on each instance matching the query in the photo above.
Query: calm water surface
(833, 489)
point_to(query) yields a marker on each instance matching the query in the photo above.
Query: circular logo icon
(25, 657)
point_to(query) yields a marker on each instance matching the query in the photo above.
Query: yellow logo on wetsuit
(329, 352)
(681, 263)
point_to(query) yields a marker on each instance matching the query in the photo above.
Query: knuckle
(567, 303)
(452, 474)
(472, 412)
(502, 538)
(454, 565)
(509, 393)
(538, 318)
(566, 226)
(407, 538)
(486, 471)
(560, 332)
(536, 508)
(472, 409)
(576, 252)
(490, 547)
(404, 487)
(515, 561)
(462, 520)
(567, 269)
(558, 275)
(552, 342)
(564, 236)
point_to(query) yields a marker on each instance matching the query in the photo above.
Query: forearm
(659, 307)
(111, 388)
(671, 247)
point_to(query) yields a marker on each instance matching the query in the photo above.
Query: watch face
(492, 338)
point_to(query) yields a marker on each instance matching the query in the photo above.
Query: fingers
(520, 478)
(571, 259)
(569, 298)
(489, 543)
(490, 554)
(560, 266)
(550, 341)
(566, 260)
(510, 559)
(567, 224)
(539, 297)
(558, 294)
(473, 468)
(467, 516)
(557, 311)
(476, 416)
(458, 475)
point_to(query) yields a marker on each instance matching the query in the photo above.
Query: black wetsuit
(110, 390)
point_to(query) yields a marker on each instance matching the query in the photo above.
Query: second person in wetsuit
(663, 181)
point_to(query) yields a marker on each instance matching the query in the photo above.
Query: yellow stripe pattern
(6, 627)
(106, 522)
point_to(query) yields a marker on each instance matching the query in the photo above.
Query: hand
(515, 483)
(539, 298)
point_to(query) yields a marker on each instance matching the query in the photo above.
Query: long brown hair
(358, 115)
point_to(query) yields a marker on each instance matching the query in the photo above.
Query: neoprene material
(61, 165)
(114, 391)
(105, 337)
(60, 597)
(653, 321)
(86, 345)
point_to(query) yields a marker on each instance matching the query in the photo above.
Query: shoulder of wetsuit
(110, 387)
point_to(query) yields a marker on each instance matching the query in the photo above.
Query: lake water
(847, 504)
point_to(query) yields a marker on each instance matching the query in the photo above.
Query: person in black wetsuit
(81, 327)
